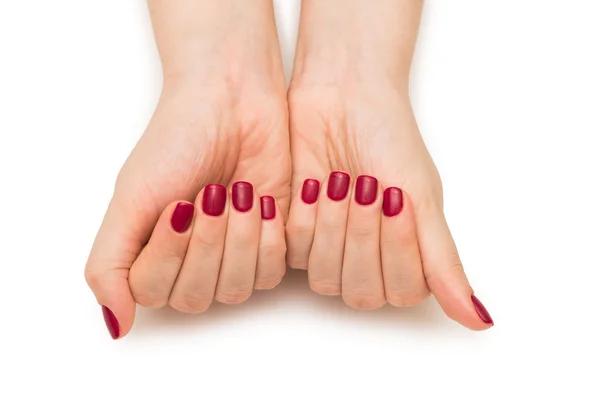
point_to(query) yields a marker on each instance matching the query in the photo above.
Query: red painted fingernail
(366, 190)
(242, 196)
(182, 217)
(337, 189)
(393, 201)
(213, 200)
(111, 322)
(310, 191)
(481, 310)
(267, 207)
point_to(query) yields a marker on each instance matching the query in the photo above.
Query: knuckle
(392, 238)
(243, 240)
(296, 228)
(407, 299)
(236, 296)
(93, 278)
(147, 295)
(267, 283)
(191, 303)
(297, 261)
(206, 240)
(362, 232)
(455, 263)
(150, 298)
(451, 267)
(332, 227)
(270, 278)
(362, 301)
(325, 287)
(296, 256)
(272, 252)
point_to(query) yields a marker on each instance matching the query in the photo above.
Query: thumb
(119, 241)
(445, 274)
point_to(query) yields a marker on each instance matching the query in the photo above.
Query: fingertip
(116, 302)
(271, 263)
(268, 208)
(182, 216)
(117, 327)
(112, 324)
(393, 201)
(482, 312)
(212, 200)
(445, 274)
(300, 226)
(460, 304)
(310, 191)
(243, 196)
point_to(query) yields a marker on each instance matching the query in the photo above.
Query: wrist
(206, 43)
(345, 42)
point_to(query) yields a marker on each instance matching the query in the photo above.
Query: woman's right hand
(375, 232)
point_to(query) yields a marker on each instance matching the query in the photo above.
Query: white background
(507, 94)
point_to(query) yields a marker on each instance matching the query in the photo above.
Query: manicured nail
(182, 217)
(366, 190)
(242, 196)
(393, 201)
(310, 191)
(213, 200)
(481, 310)
(337, 189)
(267, 207)
(111, 322)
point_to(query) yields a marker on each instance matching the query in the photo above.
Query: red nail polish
(481, 310)
(111, 322)
(393, 201)
(182, 217)
(337, 189)
(366, 190)
(267, 207)
(242, 196)
(213, 200)
(310, 191)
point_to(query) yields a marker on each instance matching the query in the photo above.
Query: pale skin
(223, 118)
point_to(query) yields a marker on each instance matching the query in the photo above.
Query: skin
(223, 117)
(350, 111)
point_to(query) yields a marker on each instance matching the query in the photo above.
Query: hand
(356, 149)
(221, 119)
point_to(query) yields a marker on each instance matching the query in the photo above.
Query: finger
(401, 261)
(444, 271)
(270, 267)
(195, 285)
(238, 267)
(300, 228)
(124, 230)
(327, 252)
(154, 272)
(362, 281)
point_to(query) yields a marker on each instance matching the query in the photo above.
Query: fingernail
(213, 200)
(182, 217)
(366, 190)
(310, 191)
(267, 207)
(337, 189)
(481, 310)
(111, 322)
(242, 196)
(393, 201)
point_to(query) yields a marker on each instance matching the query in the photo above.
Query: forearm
(233, 41)
(356, 40)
